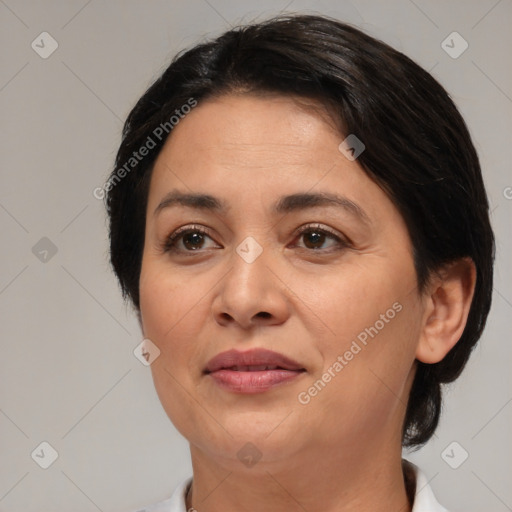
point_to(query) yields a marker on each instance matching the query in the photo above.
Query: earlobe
(447, 303)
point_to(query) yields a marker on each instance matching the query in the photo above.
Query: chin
(266, 437)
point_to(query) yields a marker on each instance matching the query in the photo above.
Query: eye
(189, 239)
(186, 239)
(315, 237)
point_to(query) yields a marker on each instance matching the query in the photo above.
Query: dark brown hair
(418, 149)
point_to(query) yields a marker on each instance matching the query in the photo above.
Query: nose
(251, 294)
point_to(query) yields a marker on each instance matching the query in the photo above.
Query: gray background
(68, 375)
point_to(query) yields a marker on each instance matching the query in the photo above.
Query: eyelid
(189, 227)
(315, 225)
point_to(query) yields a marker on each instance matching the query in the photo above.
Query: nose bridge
(251, 290)
(249, 249)
(250, 266)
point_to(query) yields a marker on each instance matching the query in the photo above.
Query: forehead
(252, 137)
(264, 127)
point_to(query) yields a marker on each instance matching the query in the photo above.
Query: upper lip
(254, 357)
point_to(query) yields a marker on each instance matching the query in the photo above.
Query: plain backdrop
(68, 376)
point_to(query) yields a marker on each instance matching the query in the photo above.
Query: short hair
(418, 150)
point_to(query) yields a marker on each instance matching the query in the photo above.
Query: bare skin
(307, 296)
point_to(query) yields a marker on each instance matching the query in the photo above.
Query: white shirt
(424, 500)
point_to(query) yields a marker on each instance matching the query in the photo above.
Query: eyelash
(172, 240)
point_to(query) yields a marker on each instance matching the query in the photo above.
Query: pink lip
(245, 372)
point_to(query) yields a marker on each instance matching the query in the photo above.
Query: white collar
(424, 500)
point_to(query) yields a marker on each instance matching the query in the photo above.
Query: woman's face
(339, 299)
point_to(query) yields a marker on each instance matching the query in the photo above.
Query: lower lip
(253, 382)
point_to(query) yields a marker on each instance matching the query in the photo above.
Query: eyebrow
(285, 204)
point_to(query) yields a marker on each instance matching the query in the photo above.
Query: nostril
(264, 314)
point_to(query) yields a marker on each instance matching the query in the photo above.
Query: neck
(328, 480)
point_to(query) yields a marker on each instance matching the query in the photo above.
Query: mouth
(253, 371)
(253, 368)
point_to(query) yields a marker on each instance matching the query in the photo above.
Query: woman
(298, 216)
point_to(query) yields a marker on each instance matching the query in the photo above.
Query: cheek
(365, 302)
(170, 317)
(163, 301)
(374, 326)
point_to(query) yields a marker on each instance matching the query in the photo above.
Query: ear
(446, 307)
